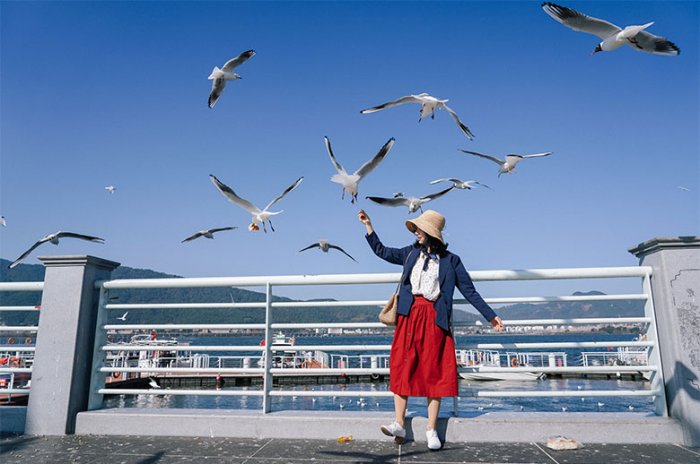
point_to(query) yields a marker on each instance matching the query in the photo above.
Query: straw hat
(431, 222)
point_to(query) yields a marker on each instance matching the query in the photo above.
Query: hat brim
(426, 227)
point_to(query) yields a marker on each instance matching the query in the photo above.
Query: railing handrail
(21, 286)
(373, 278)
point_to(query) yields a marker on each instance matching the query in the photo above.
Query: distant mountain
(35, 272)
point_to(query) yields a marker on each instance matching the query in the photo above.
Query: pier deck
(132, 449)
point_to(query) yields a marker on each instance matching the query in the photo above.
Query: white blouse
(426, 282)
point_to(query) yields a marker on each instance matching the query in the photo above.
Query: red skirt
(422, 360)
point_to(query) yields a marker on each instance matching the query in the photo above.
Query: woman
(422, 360)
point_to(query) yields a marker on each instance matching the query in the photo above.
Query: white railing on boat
(268, 371)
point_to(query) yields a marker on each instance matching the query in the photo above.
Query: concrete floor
(145, 450)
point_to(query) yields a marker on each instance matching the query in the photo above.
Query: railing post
(267, 379)
(97, 378)
(656, 378)
(676, 289)
(65, 343)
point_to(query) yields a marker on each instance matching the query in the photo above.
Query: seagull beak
(253, 227)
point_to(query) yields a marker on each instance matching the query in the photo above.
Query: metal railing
(267, 371)
(17, 352)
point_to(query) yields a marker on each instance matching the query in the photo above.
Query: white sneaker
(395, 430)
(433, 440)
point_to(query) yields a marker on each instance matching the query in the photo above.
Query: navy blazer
(451, 274)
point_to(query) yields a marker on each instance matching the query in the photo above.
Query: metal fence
(100, 369)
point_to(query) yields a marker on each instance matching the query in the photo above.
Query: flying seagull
(53, 238)
(258, 216)
(110, 188)
(460, 184)
(209, 233)
(680, 187)
(123, 316)
(153, 383)
(351, 181)
(3, 222)
(510, 162)
(220, 76)
(413, 203)
(428, 106)
(325, 245)
(613, 36)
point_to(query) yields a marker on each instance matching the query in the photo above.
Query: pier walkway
(146, 450)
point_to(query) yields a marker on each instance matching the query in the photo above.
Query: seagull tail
(216, 72)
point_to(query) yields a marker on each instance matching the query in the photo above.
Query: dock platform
(16, 449)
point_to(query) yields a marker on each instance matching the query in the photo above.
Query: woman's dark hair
(435, 245)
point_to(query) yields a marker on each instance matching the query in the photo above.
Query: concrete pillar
(64, 343)
(676, 293)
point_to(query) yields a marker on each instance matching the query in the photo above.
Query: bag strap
(403, 271)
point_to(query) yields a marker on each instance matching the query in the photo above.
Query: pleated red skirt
(422, 360)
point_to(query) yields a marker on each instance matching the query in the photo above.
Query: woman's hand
(364, 218)
(497, 324)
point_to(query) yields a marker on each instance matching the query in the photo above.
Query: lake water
(466, 405)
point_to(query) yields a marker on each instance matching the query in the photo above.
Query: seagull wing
(451, 179)
(433, 196)
(26, 253)
(211, 231)
(232, 197)
(374, 162)
(342, 251)
(406, 99)
(192, 237)
(338, 167)
(80, 236)
(489, 157)
(217, 87)
(313, 245)
(579, 21)
(479, 183)
(536, 155)
(401, 201)
(461, 125)
(646, 42)
(289, 189)
(240, 59)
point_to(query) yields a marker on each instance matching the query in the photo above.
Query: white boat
(474, 365)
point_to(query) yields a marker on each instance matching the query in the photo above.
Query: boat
(15, 380)
(174, 354)
(474, 364)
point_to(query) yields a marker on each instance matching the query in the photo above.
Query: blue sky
(114, 93)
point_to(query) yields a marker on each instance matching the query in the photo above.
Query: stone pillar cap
(660, 243)
(78, 260)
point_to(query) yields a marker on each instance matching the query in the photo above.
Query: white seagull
(613, 36)
(258, 216)
(123, 316)
(508, 165)
(3, 222)
(325, 245)
(153, 383)
(413, 203)
(220, 76)
(460, 184)
(208, 233)
(111, 188)
(351, 181)
(428, 105)
(53, 238)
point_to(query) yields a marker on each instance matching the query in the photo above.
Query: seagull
(111, 189)
(259, 216)
(510, 162)
(325, 245)
(3, 222)
(53, 238)
(413, 203)
(428, 106)
(686, 189)
(209, 233)
(613, 36)
(123, 316)
(461, 184)
(600, 405)
(153, 383)
(351, 181)
(220, 76)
